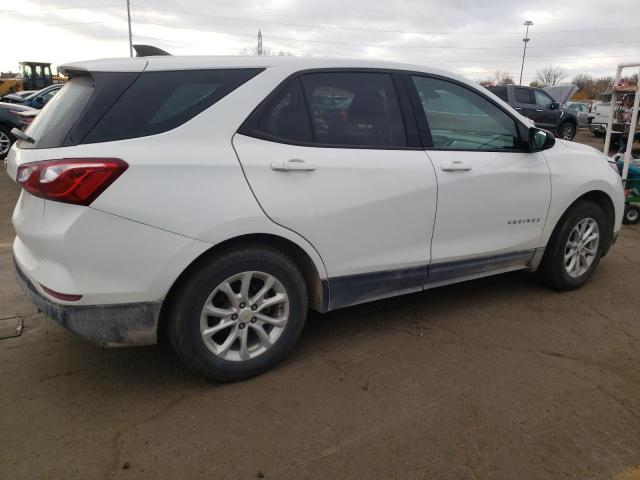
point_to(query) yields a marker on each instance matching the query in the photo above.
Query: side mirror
(554, 106)
(540, 139)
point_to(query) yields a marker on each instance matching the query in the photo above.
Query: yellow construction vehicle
(32, 76)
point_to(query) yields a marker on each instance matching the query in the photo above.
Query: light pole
(526, 39)
(129, 23)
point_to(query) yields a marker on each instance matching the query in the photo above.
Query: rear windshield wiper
(20, 135)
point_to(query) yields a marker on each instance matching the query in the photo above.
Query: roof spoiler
(149, 51)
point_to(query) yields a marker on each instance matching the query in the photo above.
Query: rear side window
(355, 109)
(522, 95)
(287, 117)
(500, 92)
(160, 101)
(350, 109)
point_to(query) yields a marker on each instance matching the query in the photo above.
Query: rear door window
(355, 109)
(522, 95)
(287, 118)
(500, 92)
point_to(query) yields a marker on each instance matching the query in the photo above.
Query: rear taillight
(78, 180)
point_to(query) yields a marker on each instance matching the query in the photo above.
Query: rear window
(115, 106)
(54, 121)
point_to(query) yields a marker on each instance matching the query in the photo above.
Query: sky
(472, 38)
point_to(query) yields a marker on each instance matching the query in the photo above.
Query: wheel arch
(317, 288)
(604, 201)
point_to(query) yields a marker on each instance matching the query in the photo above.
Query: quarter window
(354, 109)
(461, 119)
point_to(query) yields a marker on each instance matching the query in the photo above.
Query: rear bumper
(107, 325)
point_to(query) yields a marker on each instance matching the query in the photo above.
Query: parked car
(38, 99)
(203, 198)
(539, 106)
(582, 111)
(17, 97)
(10, 117)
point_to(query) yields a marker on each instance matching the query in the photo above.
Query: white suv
(215, 199)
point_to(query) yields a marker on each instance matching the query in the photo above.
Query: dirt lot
(494, 379)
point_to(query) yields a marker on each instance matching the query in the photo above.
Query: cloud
(466, 36)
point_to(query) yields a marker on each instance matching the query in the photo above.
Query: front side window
(523, 95)
(542, 99)
(354, 109)
(461, 119)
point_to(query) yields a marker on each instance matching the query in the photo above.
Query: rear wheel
(631, 214)
(567, 131)
(575, 248)
(240, 314)
(5, 141)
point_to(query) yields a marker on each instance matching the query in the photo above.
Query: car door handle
(538, 110)
(455, 166)
(294, 165)
(518, 108)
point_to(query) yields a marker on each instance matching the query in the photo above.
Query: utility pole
(526, 39)
(129, 22)
(259, 49)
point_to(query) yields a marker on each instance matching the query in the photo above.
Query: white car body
(372, 222)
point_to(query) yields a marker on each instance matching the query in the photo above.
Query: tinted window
(462, 119)
(359, 109)
(542, 99)
(160, 101)
(287, 117)
(54, 121)
(522, 95)
(500, 92)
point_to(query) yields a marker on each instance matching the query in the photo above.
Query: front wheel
(575, 248)
(567, 131)
(239, 314)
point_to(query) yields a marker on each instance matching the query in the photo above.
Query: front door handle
(455, 166)
(538, 110)
(518, 108)
(294, 165)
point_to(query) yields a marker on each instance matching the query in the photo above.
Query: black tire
(552, 269)
(192, 293)
(631, 215)
(566, 131)
(5, 132)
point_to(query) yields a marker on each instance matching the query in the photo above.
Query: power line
(364, 29)
(82, 7)
(380, 45)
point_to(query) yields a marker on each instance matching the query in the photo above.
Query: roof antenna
(149, 51)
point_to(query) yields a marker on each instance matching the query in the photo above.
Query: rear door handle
(538, 110)
(518, 108)
(455, 166)
(293, 165)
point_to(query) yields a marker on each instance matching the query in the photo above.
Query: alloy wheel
(244, 316)
(582, 247)
(5, 143)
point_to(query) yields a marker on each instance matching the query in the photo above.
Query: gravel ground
(499, 378)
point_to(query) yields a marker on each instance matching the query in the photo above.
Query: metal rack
(634, 115)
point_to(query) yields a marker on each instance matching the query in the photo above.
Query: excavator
(32, 76)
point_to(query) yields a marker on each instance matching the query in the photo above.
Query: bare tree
(499, 78)
(550, 75)
(601, 85)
